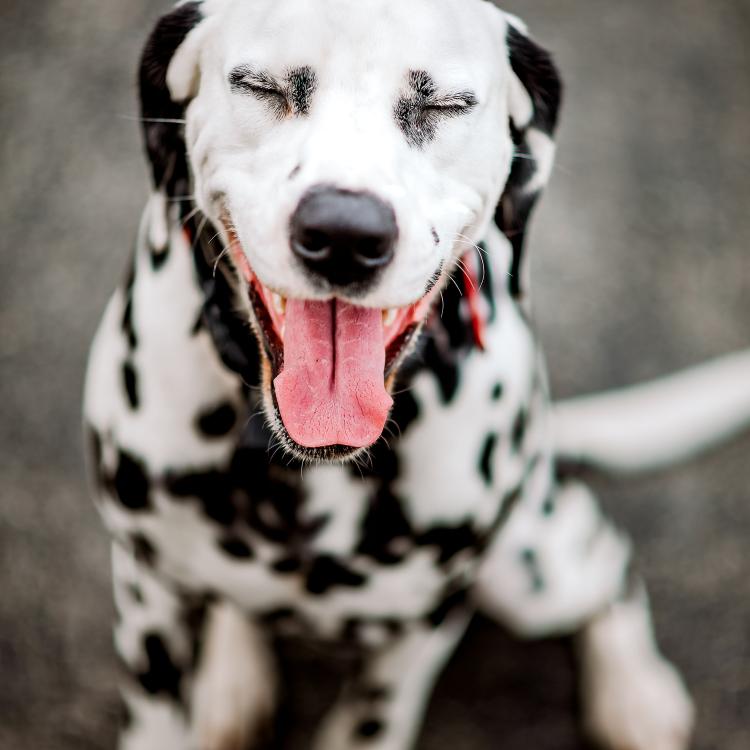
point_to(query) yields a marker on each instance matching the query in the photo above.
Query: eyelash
(452, 105)
(263, 88)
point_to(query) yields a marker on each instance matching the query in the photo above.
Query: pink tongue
(331, 390)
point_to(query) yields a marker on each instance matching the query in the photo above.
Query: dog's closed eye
(292, 95)
(453, 104)
(418, 112)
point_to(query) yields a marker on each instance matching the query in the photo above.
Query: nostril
(373, 252)
(312, 244)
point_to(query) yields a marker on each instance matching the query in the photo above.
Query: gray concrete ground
(640, 267)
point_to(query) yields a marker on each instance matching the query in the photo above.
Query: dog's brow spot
(421, 83)
(295, 172)
(435, 235)
(302, 83)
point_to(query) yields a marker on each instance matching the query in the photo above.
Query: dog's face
(349, 153)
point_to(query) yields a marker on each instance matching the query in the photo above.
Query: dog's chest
(331, 546)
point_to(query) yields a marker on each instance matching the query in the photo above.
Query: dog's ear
(534, 95)
(167, 77)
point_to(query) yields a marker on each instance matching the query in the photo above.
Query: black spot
(236, 548)
(450, 603)
(130, 383)
(548, 506)
(135, 593)
(369, 728)
(295, 171)
(485, 459)
(275, 512)
(325, 573)
(507, 505)
(217, 421)
(127, 321)
(130, 483)
(143, 550)
(212, 489)
(445, 371)
(158, 256)
(161, 677)
(385, 529)
(450, 540)
(435, 235)
(497, 392)
(287, 565)
(519, 429)
(531, 562)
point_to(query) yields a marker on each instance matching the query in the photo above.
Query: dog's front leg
(198, 676)
(155, 638)
(633, 698)
(382, 708)
(560, 567)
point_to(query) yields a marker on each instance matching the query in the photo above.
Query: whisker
(164, 120)
(190, 215)
(222, 254)
(455, 283)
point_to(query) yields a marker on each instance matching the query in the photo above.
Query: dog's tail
(658, 423)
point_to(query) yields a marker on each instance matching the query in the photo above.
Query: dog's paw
(642, 706)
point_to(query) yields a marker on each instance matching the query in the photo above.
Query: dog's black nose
(342, 236)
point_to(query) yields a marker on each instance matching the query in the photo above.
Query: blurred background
(640, 267)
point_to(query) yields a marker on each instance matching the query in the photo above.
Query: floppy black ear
(535, 92)
(162, 111)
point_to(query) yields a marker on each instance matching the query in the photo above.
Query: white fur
(235, 686)
(633, 698)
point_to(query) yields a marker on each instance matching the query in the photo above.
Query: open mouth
(332, 362)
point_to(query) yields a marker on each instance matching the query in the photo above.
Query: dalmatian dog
(316, 406)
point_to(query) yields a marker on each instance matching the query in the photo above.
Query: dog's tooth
(389, 316)
(279, 303)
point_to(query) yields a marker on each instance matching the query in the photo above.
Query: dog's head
(348, 153)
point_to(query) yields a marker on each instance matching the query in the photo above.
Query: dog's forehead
(450, 35)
